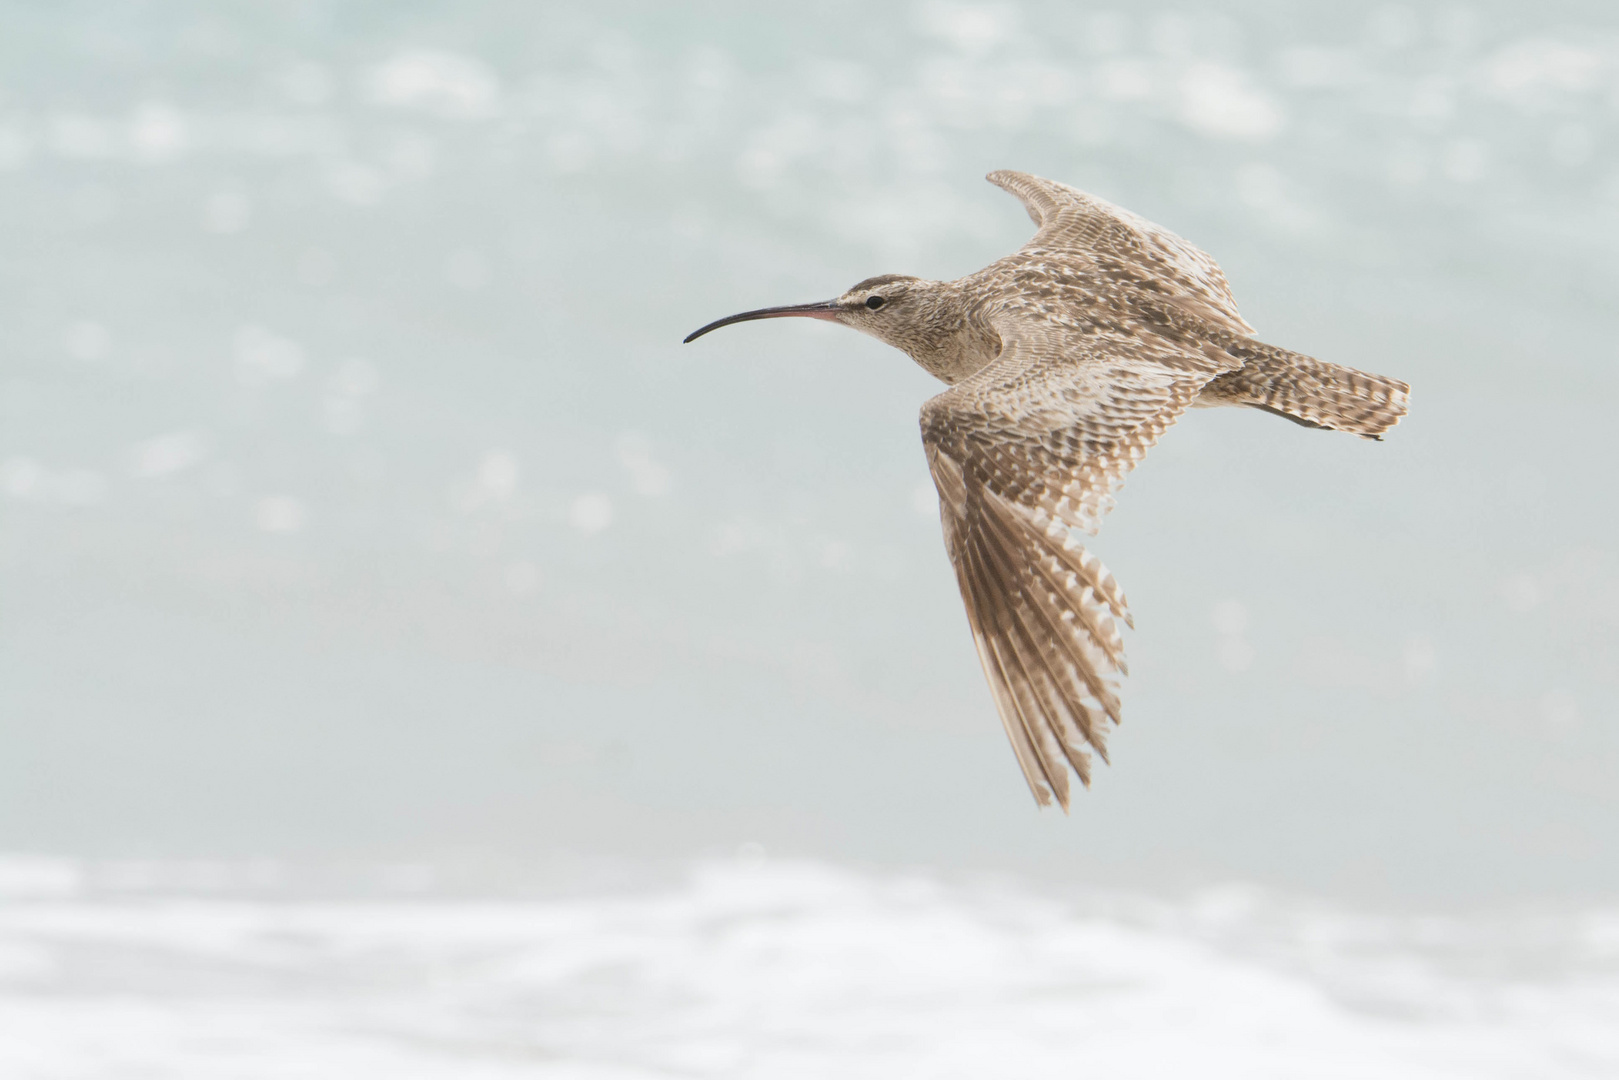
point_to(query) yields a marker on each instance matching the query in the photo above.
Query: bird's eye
(874, 302)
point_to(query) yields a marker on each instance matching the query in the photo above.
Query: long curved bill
(827, 309)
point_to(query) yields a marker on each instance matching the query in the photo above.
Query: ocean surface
(358, 496)
(748, 966)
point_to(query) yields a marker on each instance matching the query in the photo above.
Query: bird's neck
(946, 341)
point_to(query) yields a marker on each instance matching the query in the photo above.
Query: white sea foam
(771, 969)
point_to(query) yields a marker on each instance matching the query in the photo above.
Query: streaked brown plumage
(1066, 361)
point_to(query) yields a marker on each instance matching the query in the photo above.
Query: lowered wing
(1023, 453)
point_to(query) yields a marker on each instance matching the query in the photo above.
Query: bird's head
(891, 308)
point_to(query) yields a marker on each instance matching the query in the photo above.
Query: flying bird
(1065, 363)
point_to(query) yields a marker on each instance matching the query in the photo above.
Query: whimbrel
(1066, 361)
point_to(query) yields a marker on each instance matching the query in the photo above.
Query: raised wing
(1024, 452)
(1124, 247)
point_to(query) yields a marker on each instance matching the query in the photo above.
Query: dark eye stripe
(874, 302)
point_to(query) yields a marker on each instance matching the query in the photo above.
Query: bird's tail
(1310, 392)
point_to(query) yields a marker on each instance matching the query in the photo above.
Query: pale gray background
(357, 499)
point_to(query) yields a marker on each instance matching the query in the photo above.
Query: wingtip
(1043, 798)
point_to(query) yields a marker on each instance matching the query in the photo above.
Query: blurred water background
(360, 509)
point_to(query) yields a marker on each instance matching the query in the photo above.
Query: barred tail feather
(1309, 391)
